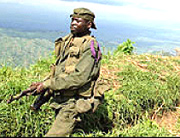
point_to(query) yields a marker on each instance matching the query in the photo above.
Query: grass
(142, 87)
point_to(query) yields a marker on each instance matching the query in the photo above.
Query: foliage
(126, 47)
(16, 118)
(145, 128)
(142, 86)
(126, 110)
(17, 51)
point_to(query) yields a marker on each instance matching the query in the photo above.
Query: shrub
(126, 47)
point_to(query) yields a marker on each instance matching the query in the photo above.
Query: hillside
(18, 48)
(144, 91)
(147, 85)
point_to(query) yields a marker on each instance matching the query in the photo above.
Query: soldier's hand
(40, 88)
(35, 84)
(37, 87)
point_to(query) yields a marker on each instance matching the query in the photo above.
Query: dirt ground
(169, 121)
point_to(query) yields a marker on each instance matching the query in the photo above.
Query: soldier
(74, 75)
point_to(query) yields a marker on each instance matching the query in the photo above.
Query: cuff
(47, 83)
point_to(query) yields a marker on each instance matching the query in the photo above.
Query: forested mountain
(24, 48)
(21, 51)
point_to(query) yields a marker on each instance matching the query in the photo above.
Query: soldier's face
(79, 26)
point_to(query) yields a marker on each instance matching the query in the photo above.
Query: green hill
(17, 51)
(144, 88)
(18, 48)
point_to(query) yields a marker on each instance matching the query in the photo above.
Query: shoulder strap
(96, 55)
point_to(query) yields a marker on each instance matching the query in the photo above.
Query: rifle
(41, 99)
(30, 91)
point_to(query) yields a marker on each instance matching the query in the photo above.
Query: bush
(126, 47)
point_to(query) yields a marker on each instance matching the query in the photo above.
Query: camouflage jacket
(77, 66)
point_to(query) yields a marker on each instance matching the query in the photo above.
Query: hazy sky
(157, 11)
(147, 14)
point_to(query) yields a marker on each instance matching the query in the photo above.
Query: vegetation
(126, 47)
(18, 48)
(21, 51)
(143, 88)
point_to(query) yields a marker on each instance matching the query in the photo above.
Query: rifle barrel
(23, 93)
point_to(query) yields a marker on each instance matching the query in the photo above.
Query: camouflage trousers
(67, 115)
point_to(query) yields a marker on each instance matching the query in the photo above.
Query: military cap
(84, 13)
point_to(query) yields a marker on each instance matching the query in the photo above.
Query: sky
(155, 22)
(152, 11)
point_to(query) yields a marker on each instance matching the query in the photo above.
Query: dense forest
(18, 48)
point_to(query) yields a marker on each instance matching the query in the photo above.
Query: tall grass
(142, 87)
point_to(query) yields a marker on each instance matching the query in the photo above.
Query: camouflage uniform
(73, 78)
